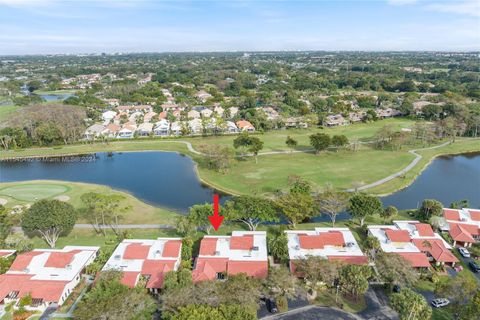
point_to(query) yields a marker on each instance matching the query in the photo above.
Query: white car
(464, 252)
(440, 302)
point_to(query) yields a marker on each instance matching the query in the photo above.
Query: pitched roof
(244, 124)
(156, 270)
(416, 259)
(436, 249)
(23, 260)
(171, 249)
(451, 214)
(130, 278)
(60, 259)
(257, 269)
(207, 268)
(459, 233)
(208, 246)
(319, 241)
(241, 242)
(136, 251)
(474, 214)
(473, 229)
(397, 235)
(49, 291)
(424, 230)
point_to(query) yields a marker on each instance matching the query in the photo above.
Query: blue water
(169, 179)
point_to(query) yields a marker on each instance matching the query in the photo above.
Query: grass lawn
(343, 169)
(26, 192)
(441, 314)
(6, 110)
(327, 298)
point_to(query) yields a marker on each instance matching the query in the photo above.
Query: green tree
(388, 213)
(241, 290)
(316, 270)
(206, 312)
(5, 225)
(296, 207)
(281, 283)
(372, 246)
(291, 143)
(471, 311)
(185, 226)
(395, 270)
(277, 244)
(50, 219)
(458, 289)
(362, 205)
(332, 202)
(429, 208)
(340, 141)
(251, 144)
(110, 299)
(353, 279)
(410, 305)
(198, 215)
(320, 141)
(251, 210)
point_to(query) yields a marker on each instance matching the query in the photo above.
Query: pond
(169, 179)
(56, 97)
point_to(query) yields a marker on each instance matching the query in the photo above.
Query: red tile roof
(244, 124)
(397, 235)
(49, 291)
(436, 249)
(459, 233)
(474, 214)
(473, 229)
(416, 259)
(156, 269)
(136, 251)
(451, 214)
(60, 259)
(241, 242)
(350, 259)
(6, 253)
(171, 249)
(207, 268)
(23, 260)
(256, 269)
(424, 229)
(208, 246)
(130, 278)
(331, 238)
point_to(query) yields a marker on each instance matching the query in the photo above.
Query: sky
(94, 26)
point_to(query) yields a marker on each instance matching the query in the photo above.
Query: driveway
(292, 304)
(49, 311)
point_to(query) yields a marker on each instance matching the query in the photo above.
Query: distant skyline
(95, 26)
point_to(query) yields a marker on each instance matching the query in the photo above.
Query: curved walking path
(412, 164)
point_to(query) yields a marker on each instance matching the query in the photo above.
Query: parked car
(440, 302)
(474, 266)
(271, 305)
(464, 252)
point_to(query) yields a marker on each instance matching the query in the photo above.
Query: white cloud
(466, 7)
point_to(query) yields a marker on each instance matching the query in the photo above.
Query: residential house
(149, 116)
(48, 275)
(270, 113)
(231, 127)
(233, 111)
(108, 116)
(195, 126)
(335, 120)
(112, 102)
(463, 225)
(135, 116)
(334, 244)
(203, 96)
(122, 116)
(242, 252)
(127, 131)
(111, 130)
(162, 128)
(295, 122)
(219, 111)
(193, 114)
(176, 128)
(387, 113)
(144, 129)
(206, 113)
(94, 131)
(244, 125)
(356, 116)
(408, 238)
(147, 259)
(162, 115)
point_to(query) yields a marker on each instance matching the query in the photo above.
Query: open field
(20, 193)
(6, 110)
(343, 169)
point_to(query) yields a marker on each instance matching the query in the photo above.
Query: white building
(48, 275)
(328, 243)
(127, 131)
(144, 129)
(94, 131)
(162, 128)
(147, 258)
(108, 115)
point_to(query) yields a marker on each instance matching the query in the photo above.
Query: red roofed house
(242, 252)
(463, 225)
(244, 125)
(48, 275)
(150, 259)
(337, 244)
(6, 253)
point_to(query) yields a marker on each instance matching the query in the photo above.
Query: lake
(56, 97)
(169, 179)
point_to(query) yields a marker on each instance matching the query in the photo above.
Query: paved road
(312, 312)
(120, 226)
(412, 164)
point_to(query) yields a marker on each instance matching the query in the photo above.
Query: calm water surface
(169, 180)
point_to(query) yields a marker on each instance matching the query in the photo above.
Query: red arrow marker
(216, 220)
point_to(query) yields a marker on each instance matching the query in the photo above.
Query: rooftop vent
(255, 248)
(216, 253)
(117, 257)
(350, 244)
